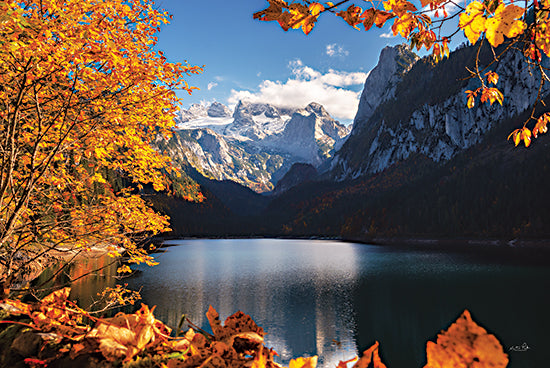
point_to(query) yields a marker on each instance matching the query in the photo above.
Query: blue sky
(244, 58)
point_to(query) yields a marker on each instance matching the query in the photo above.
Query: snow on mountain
(218, 110)
(217, 124)
(257, 144)
(256, 121)
(311, 134)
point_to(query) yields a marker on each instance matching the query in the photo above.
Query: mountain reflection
(298, 291)
(334, 299)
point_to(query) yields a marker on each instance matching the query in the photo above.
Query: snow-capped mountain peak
(258, 142)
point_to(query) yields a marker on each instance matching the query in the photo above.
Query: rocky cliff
(425, 111)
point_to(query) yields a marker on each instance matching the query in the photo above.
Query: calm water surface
(335, 299)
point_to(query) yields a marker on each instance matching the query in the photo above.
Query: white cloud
(389, 34)
(211, 85)
(308, 85)
(334, 50)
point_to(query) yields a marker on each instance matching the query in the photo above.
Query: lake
(334, 299)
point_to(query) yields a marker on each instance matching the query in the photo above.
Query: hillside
(430, 168)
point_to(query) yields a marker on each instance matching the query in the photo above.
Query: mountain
(424, 110)
(257, 144)
(311, 135)
(417, 164)
(298, 174)
(380, 86)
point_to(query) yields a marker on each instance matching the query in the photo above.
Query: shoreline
(542, 245)
(525, 252)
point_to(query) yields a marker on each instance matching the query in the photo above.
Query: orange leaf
(492, 77)
(352, 15)
(273, 12)
(369, 15)
(370, 358)
(492, 95)
(541, 125)
(125, 335)
(344, 364)
(382, 17)
(465, 344)
(309, 22)
(215, 323)
(426, 2)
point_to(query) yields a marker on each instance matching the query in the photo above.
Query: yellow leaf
(516, 137)
(310, 362)
(471, 102)
(504, 23)
(526, 135)
(492, 95)
(316, 8)
(472, 21)
(399, 7)
(404, 25)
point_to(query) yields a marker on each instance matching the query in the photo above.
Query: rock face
(380, 85)
(256, 121)
(312, 134)
(427, 113)
(218, 110)
(195, 111)
(257, 144)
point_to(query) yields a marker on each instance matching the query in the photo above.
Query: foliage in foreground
(525, 25)
(83, 94)
(56, 332)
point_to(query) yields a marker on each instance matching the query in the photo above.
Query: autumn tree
(83, 94)
(519, 26)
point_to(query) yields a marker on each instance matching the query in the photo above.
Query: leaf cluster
(139, 339)
(83, 95)
(491, 20)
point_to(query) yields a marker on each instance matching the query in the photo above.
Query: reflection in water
(91, 276)
(306, 294)
(300, 292)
